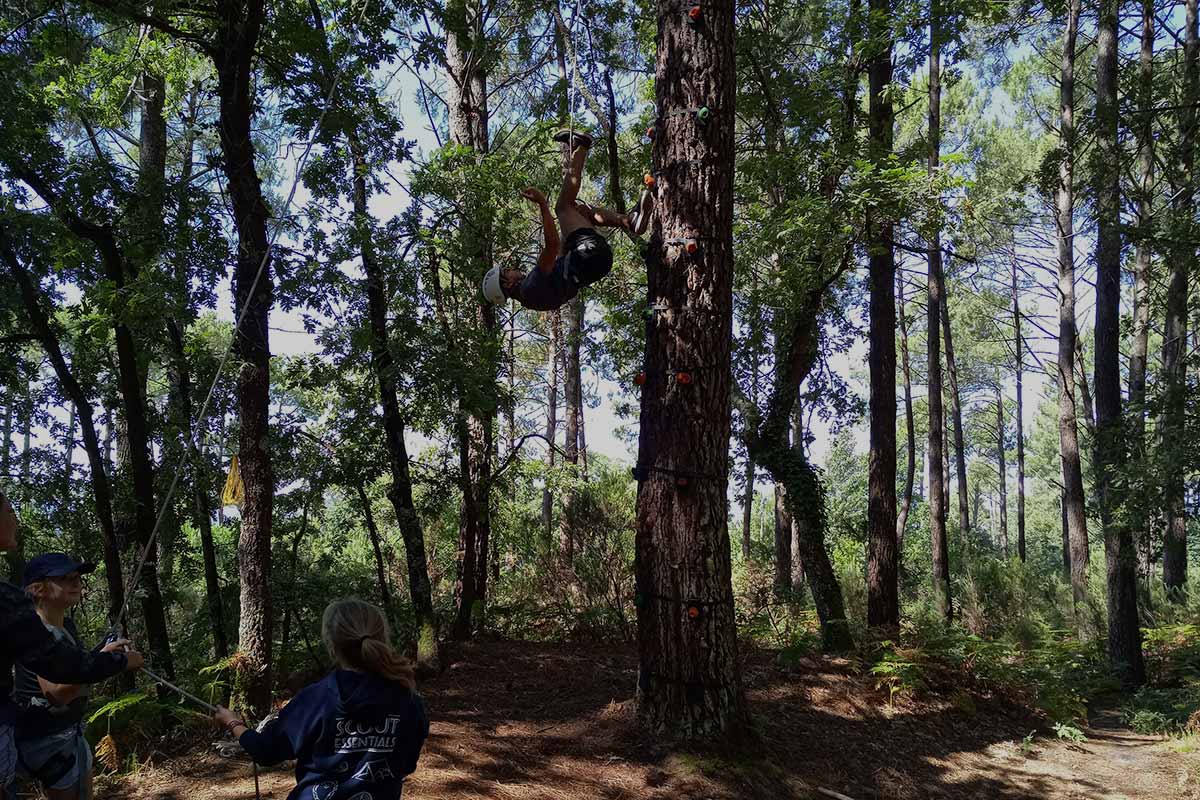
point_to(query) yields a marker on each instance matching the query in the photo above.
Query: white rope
(191, 443)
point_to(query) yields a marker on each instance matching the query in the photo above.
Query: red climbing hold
(684, 378)
(640, 379)
(693, 612)
(694, 13)
(691, 246)
(681, 482)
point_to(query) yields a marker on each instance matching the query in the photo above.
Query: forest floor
(526, 721)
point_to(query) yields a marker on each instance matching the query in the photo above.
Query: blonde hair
(356, 634)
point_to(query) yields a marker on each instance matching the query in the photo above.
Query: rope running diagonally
(131, 586)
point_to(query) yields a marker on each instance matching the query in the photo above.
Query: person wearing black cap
(27, 640)
(49, 728)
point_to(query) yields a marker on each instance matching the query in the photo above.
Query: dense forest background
(961, 330)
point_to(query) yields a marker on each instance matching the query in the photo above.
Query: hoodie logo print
(373, 772)
(360, 737)
(325, 791)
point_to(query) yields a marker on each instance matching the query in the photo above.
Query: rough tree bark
(689, 685)
(883, 598)
(937, 316)
(1183, 263)
(236, 44)
(1068, 427)
(956, 418)
(1124, 633)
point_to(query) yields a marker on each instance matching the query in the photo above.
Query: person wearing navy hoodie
(26, 640)
(355, 734)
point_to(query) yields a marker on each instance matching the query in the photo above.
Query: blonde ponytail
(356, 634)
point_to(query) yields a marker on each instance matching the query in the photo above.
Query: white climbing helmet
(492, 291)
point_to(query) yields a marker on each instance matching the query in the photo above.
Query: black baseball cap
(54, 565)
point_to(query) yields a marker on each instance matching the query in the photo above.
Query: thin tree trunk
(883, 599)
(1002, 471)
(937, 313)
(910, 429)
(956, 417)
(468, 112)
(40, 322)
(1124, 633)
(689, 686)
(1018, 343)
(1175, 338)
(783, 544)
(554, 323)
(572, 393)
(1068, 430)
(385, 592)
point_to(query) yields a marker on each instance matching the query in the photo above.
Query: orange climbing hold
(684, 378)
(693, 612)
(694, 13)
(649, 181)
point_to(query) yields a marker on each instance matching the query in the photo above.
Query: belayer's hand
(133, 660)
(115, 646)
(534, 195)
(227, 719)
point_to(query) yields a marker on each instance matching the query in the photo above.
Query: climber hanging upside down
(583, 257)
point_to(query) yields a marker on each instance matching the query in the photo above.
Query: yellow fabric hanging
(235, 491)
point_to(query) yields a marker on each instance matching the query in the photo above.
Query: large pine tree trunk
(237, 39)
(883, 599)
(910, 429)
(1068, 428)
(1124, 633)
(468, 113)
(689, 685)
(1018, 344)
(937, 317)
(1183, 263)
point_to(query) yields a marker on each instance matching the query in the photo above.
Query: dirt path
(540, 722)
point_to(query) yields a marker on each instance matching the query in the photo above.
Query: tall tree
(1068, 429)
(1019, 367)
(40, 321)
(468, 105)
(689, 684)
(383, 362)
(1183, 264)
(883, 596)
(1002, 469)
(935, 317)
(1124, 633)
(910, 428)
